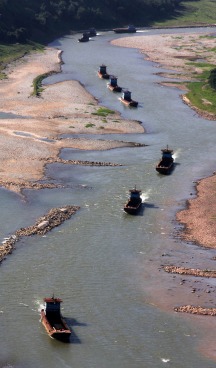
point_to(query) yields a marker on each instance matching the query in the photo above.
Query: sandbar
(32, 134)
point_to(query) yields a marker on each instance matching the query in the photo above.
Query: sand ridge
(33, 134)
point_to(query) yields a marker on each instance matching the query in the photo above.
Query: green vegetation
(191, 12)
(103, 111)
(201, 94)
(11, 52)
(89, 125)
(39, 20)
(37, 84)
(212, 79)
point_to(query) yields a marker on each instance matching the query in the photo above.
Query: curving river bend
(104, 264)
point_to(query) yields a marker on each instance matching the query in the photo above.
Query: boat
(134, 203)
(166, 163)
(85, 37)
(102, 72)
(128, 29)
(127, 100)
(51, 318)
(92, 32)
(112, 85)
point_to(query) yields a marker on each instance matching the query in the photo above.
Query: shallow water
(103, 263)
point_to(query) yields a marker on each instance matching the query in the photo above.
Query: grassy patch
(37, 84)
(89, 125)
(12, 52)
(192, 13)
(202, 96)
(103, 111)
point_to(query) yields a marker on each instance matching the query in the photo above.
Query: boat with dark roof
(102, 72)
(113, 85)
(128, 29)
(134, 203)
(127, 100)
(53, 321)
(166, 164)
(84, 38)
(92, 32)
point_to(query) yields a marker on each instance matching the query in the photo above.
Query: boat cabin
(167, 154)
(113, 81)
(102, 69)
(92, 32)
(135, 195)
(126, 95)
(85, 37)
(52, 306)
(131, 28)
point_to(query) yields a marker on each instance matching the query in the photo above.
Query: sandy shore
(33, 135)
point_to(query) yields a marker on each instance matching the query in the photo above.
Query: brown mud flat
(198, 310)
(43, 225)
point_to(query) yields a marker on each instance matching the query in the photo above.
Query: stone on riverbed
(43, 224)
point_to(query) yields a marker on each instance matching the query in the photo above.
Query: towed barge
(51, 318)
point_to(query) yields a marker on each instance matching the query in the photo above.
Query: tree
(212, 78)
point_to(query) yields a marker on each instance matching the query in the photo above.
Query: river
(103, 263)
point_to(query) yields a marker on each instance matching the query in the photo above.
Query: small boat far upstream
(134, 203)
(166, 163)
(53, 321)
(92, 32)
(127, 100)
(112, 85)
(102, 72)
(128, 29)
(85, 37)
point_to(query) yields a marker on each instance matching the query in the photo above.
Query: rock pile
(190, 271)
(196, 310)
(28, 185)
(55, 217)
(79, 162)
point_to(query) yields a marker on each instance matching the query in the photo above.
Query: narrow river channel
(103, 263)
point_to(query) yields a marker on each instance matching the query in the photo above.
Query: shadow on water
(72, 322)
(150, 205)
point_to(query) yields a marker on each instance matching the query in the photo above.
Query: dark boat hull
(124, 30)
(130, 103)
(103, 76)
(83, 40)
(164, 169)
(56, 329)
(114, 89)
(132, 209)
